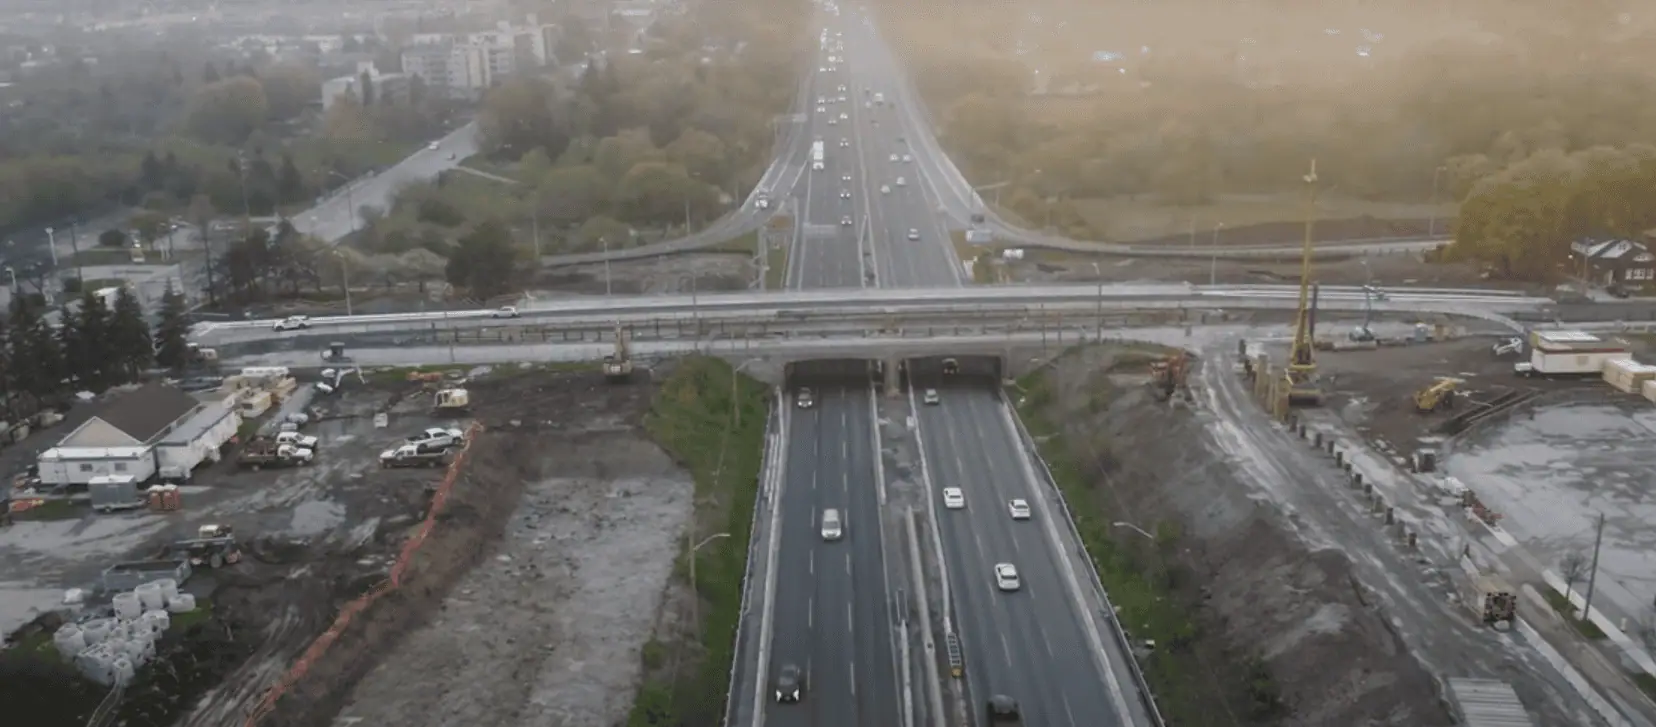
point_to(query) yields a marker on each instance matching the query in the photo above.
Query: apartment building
(388, 87)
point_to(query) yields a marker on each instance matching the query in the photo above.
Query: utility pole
(74, 245)
(534, 231)
(1592, 571)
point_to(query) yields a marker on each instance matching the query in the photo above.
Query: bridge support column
(893, 381)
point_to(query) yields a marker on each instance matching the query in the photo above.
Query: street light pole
(1213, 263)
(1134, 528)
(604, 242)
(345, 278)
(51, 244)
(695, 597)
(1100, 274)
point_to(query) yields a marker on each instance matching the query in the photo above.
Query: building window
(86, 468)
(1641, 274)
(120, 466)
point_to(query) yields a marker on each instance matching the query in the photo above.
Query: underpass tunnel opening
(824, 373)
(941, 372)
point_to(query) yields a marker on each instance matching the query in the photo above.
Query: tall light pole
(1431, 222)
(51, 244)
(345, 278)
(1213, 263)
(1100, 274)
(604, 243)
(695, 597)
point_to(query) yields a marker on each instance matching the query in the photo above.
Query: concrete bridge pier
(892, 368)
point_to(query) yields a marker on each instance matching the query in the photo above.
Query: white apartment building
(387, 86)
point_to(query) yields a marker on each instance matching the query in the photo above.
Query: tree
(661, 193)
(518, 117)
(228, 111)
(1572, 566)
(290, 184)
(112, 238)
(367, 82)
(483, 262)
(172, 332)
(600, 232)
(87, 340)
(568, 195)
(131, 348)
(36, 359)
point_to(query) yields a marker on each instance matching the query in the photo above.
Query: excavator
(1301, 387)
(1440, 395)
(1168, 375)
(618, 366)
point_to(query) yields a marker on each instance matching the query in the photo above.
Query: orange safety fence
(349, 612)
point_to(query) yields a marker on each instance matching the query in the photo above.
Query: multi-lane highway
(832, 612)
(1039, 644)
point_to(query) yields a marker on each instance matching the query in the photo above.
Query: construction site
(1399, 519)
(420, 547)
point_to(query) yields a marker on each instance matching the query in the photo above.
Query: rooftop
(147, 412)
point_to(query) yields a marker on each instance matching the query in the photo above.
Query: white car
(913, 234)
(1019, 509)
(296, 439)
(821, 100)
(833, 122)
(845, 194)
(954, 498)
(845, 222)
(843, 117)
(433, 146)
(842, 88)
(436, 437)
(816, 166)
(901, 182)
(931, 396)
(845, 177)
(845, 143)
(1006, 577)
(504, 311)
(894, 157)
(292, 323)
(907, 158)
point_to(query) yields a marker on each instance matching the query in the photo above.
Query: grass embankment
(1155, 598)
(776, 267)
(1570, 613)
(720, 440)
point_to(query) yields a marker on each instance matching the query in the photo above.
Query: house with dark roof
(1618, 265)
(154, 431)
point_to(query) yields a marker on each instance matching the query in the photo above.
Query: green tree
(483, 262)
(172, 332)
(88, 344)
(129, 337)
(568, 195)
(519, 117)
(112, 238)
(228, 111)
(600, 232)
(37, 360)
(661, 193)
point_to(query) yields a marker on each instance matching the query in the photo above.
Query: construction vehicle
(1492, 600)
(618, 366)
(335, 353)
(414, 455)
(214, 546)
(264, 452)
(450, 402)
(1168, 375)
(1440, 395)
(1300, 377)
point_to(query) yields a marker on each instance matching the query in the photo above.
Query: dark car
(1002, 709)
(790, 684)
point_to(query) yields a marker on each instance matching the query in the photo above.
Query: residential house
(1618, 265)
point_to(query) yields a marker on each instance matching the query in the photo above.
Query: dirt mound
(1297, 645)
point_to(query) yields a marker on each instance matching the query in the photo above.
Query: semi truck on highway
(816, 155)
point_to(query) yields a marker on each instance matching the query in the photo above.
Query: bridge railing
(1146, 696)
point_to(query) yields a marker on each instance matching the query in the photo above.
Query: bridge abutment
(892, 369)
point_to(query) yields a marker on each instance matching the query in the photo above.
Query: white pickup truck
(436, 438)
(296, 439)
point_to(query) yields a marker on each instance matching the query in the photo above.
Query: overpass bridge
(772, 313)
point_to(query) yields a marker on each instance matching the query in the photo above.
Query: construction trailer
(451, 402)
(1569, 354)
(109, 493)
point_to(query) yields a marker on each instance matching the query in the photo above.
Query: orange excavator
(1168, 375)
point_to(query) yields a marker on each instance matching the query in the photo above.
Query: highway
(1039, 644)
(831, 615)
(337, 215)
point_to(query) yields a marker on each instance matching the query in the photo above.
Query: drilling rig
(1300, 378)
(618, 366)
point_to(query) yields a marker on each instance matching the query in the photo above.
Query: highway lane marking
(810, 612)
(810, 567)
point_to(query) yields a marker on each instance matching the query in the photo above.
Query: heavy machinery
(265, 452)
(1168, 375)
(1492, 600)
(1300, 376)
(618, 366)
(335, 353)
(1440, 395)
(451, 402)
(214, 546)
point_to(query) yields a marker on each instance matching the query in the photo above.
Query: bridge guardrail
(771, 433)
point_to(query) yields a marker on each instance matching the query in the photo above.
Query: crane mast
(1301, 375)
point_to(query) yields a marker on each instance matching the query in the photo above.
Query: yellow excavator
(1440, 395)
(1300, 383)
(618, 366)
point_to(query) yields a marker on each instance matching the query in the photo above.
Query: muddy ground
(553, 626)
(1259, 588)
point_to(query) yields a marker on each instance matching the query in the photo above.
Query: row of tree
(1184, 128)
(93, 347)
(1521, 220)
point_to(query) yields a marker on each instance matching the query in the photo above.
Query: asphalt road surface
(831, 615)
(338, 215)
(1031, 644)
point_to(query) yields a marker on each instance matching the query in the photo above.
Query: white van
(832, 529)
